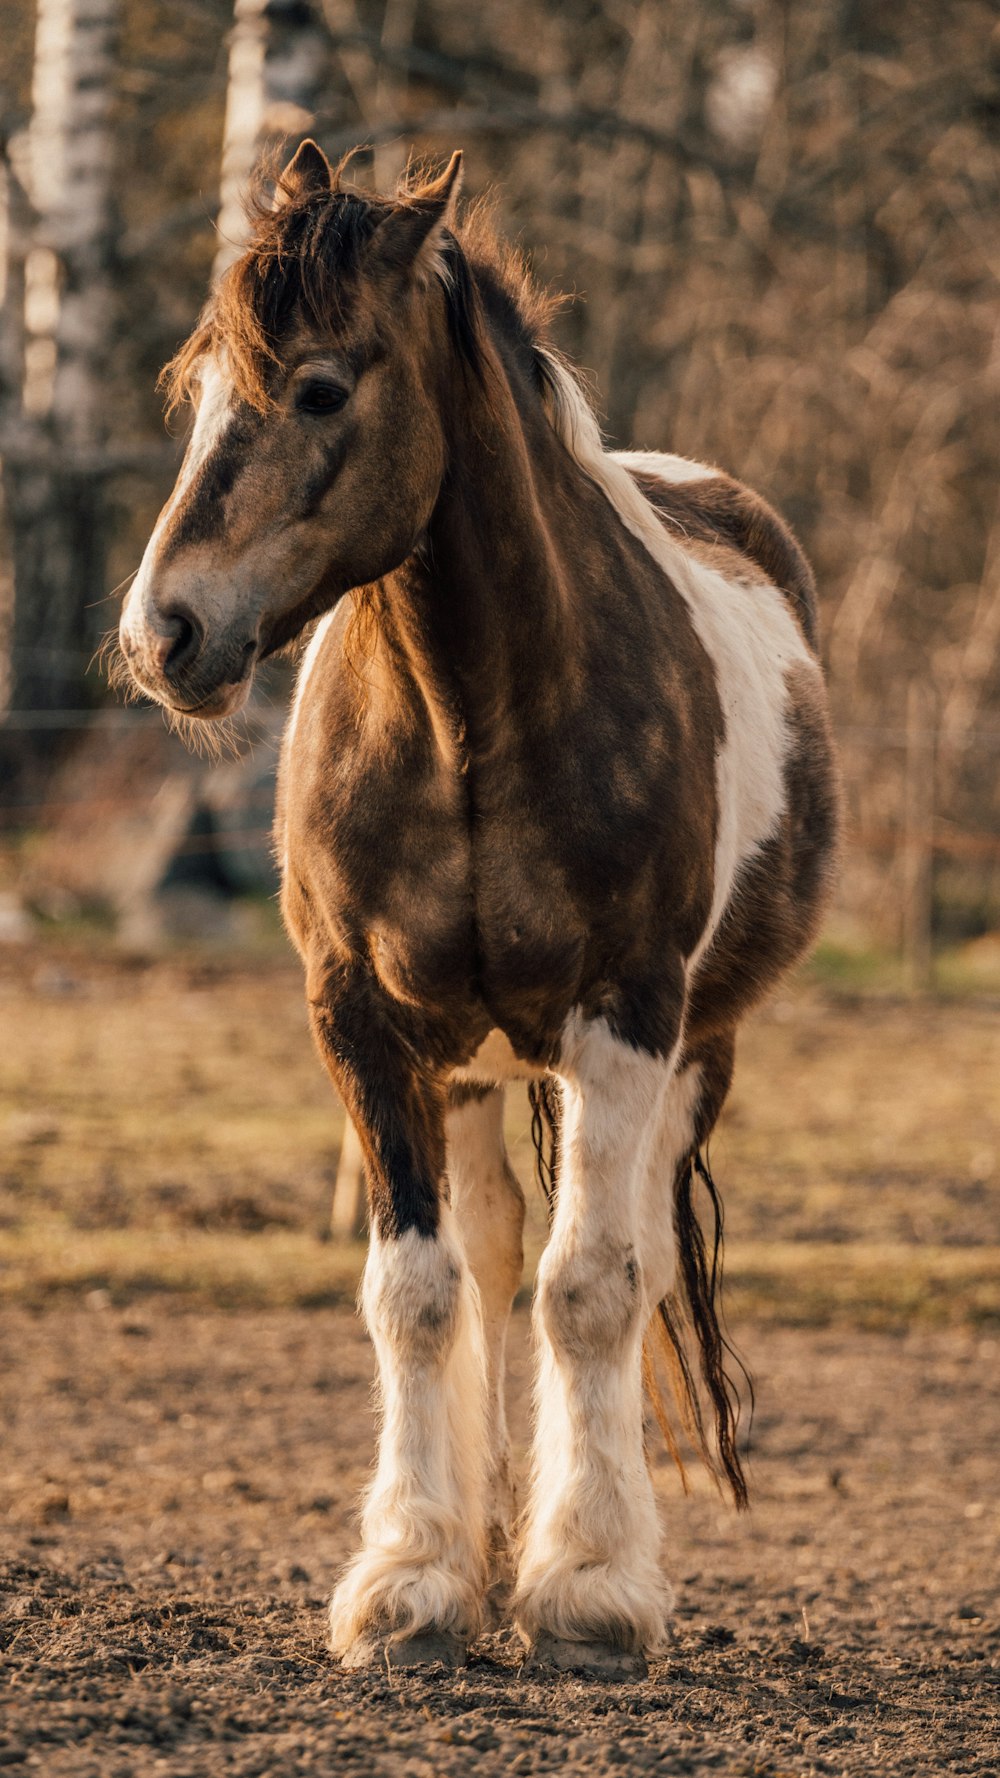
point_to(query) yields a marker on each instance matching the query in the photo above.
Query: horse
(557, 804)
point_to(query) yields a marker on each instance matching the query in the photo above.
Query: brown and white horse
(557, 805)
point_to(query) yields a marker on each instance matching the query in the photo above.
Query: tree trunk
(918, 838)
(279, 61)
(56, 431)
(13, 239)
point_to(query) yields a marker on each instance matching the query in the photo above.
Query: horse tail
(546, 1125)
(695, 1305)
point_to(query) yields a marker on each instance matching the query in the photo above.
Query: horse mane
(305, 256)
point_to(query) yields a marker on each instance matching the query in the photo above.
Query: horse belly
(495, 1062)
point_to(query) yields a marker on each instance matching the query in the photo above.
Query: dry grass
(876, 1285)
(169, 1129)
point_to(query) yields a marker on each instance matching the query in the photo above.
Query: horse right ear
(307, 175)
(407, 242)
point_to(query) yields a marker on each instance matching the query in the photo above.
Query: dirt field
(184, 1395)
(179, 1493)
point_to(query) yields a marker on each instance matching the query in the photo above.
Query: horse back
(713, 511)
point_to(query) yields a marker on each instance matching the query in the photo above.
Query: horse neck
(498, 613)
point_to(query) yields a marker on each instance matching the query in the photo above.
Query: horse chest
(490, 896)
(481, 921)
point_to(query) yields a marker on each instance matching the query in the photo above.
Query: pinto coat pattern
(557, 803)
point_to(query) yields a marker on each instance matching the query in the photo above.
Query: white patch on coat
(664, 464)
(305, 672)
(422, 1564)
(489, 1210)
(495, 1062)
(590, 1569)
(309, 660)
(747, 630)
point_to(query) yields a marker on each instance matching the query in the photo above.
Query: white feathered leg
(489, 1208)
(416, 1587)
(590, 1590)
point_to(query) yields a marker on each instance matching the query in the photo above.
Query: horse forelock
(304, 263)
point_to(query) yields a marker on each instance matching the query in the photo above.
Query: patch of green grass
(861, 969)
(888, 1285)
(967, 971)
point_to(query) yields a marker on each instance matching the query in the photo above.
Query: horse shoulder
(372, 828)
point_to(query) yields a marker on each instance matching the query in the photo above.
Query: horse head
(317, 374)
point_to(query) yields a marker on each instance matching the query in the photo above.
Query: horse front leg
(414, 1592)
(591, 1595)
(489, 1206)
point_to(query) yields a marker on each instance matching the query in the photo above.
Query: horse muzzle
(173, 658)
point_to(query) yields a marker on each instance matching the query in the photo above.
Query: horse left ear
(307, 175)
(411, 234)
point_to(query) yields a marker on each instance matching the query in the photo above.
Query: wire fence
(939, 836)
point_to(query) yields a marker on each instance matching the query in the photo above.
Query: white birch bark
(12, 248)
(69, 296)
(13, 236)
(279, 58)
(56, 431)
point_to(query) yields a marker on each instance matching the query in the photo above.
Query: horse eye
(321, 398)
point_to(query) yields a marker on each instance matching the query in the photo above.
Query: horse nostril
(178, 648)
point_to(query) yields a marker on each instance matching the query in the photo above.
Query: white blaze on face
(214, 412)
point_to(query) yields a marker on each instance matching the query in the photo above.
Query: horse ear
(307, 175)
(411, 234)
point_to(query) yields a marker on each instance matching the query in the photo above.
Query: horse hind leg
(686, 1117)
(679, 1272)
(489, 1210)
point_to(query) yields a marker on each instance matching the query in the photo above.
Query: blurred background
(776, 225)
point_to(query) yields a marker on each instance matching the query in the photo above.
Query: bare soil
(178, 1491)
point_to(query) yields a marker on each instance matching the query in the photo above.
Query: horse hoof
(590, 1660)
(430, 1648)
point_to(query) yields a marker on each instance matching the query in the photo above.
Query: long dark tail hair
(693, 1308)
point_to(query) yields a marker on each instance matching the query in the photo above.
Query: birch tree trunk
(13, 238)
(55, 435)
(279, 61)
